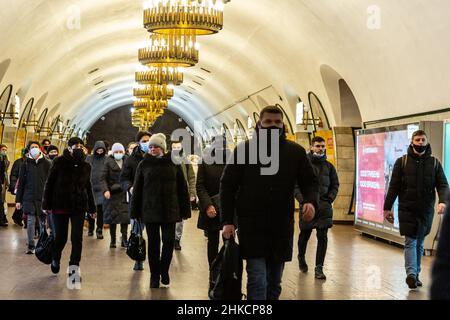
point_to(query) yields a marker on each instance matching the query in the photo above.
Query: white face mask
(118, 156)
(35, 153)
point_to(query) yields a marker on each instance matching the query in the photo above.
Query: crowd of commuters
(152, 185)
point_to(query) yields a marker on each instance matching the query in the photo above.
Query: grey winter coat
(97, 162)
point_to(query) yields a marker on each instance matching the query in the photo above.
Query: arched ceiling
(400, 68)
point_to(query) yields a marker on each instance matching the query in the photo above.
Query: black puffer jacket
(14, 176)
(130, 167)
(415, 186)
(264, 204)
(97, 162)
(208, 187)
(68, 187)
(115, 209)
(160, 193)
(440, 287)
(32, 178)
(328, 190)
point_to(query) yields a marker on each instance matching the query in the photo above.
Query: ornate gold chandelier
(174, 26)
(148, 104)
(154, 92)
(160, 76)
(200, 17)
(170, 50)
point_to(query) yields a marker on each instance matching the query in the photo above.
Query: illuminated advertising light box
(377, 151)
(447, 150)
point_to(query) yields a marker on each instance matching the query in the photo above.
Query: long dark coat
(208, 186)
(160, 192)
(97, 163)
(115, 209)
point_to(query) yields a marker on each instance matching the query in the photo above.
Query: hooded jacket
(97, 163)
(68, 187)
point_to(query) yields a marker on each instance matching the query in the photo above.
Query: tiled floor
(357, 268)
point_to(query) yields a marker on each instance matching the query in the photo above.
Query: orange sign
(21, 140)
(327, 135)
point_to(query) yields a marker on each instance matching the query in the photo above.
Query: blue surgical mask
(118, 156)
(35, 152)
(145, 146)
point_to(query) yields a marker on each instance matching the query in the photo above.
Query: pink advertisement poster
(371, 177)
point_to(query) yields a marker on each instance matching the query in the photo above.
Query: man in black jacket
(129, 172)
(32, 177)
(415, 179)
(67, 197)
(440, 287)
(97, 162)
(263, 202)
(328, 189)
(13, 178)
(4, 165)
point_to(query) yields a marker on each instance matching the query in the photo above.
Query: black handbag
(44, 246)
(136, 248)
(225, 279)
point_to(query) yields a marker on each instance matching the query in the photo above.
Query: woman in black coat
(97, 162)
(67, 197)
(208, 185)
(160, 200)
(115, 207)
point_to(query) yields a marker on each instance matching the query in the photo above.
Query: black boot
(55, 266)
(99, 234)
(154, 282)
(302, 264)
(419, 283)
(177, 245)
(319, 273)
(165, 279)
(124, 243)
(138, 266)
(411, 281)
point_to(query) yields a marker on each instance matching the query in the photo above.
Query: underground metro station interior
(363, 78)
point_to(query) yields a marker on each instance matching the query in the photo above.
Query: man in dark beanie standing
(52, 152)
(67, 196)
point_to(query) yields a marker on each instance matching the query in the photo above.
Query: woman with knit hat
(160, 200)
(115, 208)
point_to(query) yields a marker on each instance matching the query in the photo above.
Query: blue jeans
(264, 279)
(413, 255)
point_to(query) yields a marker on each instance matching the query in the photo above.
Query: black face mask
(52, 156)
(78, 154)
(420, 149)
(273, 130)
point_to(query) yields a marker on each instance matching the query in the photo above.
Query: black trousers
(322, 243)
(61, 224)
(123, 231)
(160, 261)
(99, 220)
(213, 245)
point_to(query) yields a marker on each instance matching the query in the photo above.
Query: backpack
(226, 273)
(405, 161)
